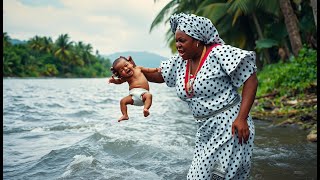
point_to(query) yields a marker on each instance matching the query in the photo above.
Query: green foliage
(41, 57)
(50, 70)
(289, 78)
(241, 23)
(265, 43)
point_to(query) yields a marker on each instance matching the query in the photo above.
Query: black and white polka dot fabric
(217, 154)
(225, 69)
(200, 28)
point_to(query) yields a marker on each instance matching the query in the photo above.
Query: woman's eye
(180, 40)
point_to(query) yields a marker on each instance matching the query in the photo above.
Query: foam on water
(79, 162)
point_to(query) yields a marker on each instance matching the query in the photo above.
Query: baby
(139, 95)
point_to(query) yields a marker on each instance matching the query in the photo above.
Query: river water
(68, 129)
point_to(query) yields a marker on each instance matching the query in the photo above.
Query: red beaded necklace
(189, 78)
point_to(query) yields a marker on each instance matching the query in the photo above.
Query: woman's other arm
(248, 95)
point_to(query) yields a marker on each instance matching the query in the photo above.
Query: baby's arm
(116, 81)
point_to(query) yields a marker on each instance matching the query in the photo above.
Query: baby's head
(118, 66)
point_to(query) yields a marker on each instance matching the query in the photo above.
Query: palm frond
(236, 15)
(163, 14)
(215, 11)
(271, 7)
(246, 6)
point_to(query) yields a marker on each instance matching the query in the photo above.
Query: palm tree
(84, 51)
(291, 21)
(247, 10)
(6, 68)
(87, 53)
(35, 43)
(233, 19)
(78, 51)
(47, 45)
(174, 6)
(242, 22)
(6, 40)
(63, 51)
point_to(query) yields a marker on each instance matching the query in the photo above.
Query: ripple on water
(82, 113)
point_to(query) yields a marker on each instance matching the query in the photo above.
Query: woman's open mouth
(181, 53)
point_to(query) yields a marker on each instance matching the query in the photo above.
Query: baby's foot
(146, 112)
(124, 117)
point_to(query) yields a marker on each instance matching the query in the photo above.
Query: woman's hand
(242, 128)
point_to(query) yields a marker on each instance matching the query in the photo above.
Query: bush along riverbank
(287, 93)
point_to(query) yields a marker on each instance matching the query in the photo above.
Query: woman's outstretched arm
(151, 76)
(154, 77)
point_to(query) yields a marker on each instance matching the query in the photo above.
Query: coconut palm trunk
(265, 51)
(291, 21)
(313, 4)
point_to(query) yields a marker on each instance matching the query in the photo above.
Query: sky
(110, 26)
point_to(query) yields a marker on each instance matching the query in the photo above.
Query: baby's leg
(123, 106)
(147, 99)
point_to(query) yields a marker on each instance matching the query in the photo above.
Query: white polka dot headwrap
(200, 28)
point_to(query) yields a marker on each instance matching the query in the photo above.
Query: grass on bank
(287, 91)
(298, 76)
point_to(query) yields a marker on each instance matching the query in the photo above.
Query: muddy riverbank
(300, 110)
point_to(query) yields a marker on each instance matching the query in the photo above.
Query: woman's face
(185, 45)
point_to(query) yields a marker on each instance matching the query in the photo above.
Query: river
(67, 129)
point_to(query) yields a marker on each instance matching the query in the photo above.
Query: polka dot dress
(217, 154)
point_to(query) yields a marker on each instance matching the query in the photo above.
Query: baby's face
(124, 68)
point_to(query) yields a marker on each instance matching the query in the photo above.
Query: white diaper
(136, 94)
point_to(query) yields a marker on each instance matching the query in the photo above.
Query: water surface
(68, 129)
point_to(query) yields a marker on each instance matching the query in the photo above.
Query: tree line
(43, 57)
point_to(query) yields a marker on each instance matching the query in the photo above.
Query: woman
(206, 74)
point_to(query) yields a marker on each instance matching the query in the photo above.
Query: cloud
(108, 25)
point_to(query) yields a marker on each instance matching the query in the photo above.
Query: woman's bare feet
(123, 118)
(146, 112)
